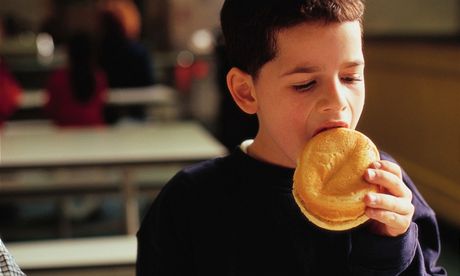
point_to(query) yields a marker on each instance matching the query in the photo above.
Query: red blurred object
(184, 76)
(200, 69)
(10, 93)
(65, 110)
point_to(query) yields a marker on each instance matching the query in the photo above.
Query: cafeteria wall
(31, 12)
(413, 93)
(412, 52)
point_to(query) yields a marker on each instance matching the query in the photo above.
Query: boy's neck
(255, 149)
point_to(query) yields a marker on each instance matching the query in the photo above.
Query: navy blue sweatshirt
(236, 215)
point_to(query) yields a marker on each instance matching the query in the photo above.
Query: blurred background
(124, 64)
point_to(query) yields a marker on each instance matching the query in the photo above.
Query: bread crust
(328, 182)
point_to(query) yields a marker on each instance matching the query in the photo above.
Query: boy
(298, 65)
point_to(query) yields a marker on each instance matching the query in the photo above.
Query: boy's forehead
(317, 36)
(315, 44)
(316, 28)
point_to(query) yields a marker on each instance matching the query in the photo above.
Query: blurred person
(10, 90)
(76, 98)
(128, 15)
(126, 62)
(10, 93)
(77, 92)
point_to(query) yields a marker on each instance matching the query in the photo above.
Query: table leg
(65, 224)
(130, 204)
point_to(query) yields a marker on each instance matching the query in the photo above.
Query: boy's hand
(391, 209)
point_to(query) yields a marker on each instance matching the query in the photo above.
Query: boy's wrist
(373, 251)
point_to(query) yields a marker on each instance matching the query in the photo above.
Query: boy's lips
(330, 125)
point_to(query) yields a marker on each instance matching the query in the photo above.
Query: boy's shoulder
(205, 174)
(205, 168)
(196, 187)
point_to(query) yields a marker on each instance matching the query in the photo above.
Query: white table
(151, 95)
(120, 147)
(74, 253)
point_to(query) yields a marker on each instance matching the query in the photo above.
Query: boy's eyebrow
(312, 69)
(353, 63)
(301, 69)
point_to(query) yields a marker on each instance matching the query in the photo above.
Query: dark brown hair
(82, 71)
(250, 27)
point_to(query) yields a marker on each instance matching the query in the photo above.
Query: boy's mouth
(330, 125)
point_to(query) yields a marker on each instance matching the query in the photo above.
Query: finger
(389, 203)
(388, 166)
(388, 180)
(390, 219)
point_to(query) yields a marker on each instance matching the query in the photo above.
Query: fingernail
(377, 165)
(372, 199)
(371, 174)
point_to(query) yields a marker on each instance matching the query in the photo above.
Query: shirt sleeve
(379, 255)
(163, 241)
(414, 253)
(428, 246)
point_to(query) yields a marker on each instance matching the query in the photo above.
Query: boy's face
(315, 82)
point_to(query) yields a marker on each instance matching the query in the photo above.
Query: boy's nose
(334, 98)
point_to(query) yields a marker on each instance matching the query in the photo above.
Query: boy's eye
(352, 79)
(305, 86)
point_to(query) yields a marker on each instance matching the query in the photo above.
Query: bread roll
(328, 182)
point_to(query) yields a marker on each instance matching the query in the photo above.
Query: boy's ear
(241, 87)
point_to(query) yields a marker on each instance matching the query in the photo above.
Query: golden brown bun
(328, 181)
